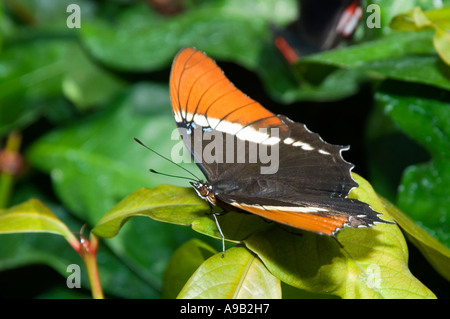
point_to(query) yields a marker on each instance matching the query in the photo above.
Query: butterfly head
(204, 191)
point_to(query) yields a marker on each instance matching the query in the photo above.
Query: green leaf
(418, 20)
(393, 46)
(325, 83)
(389, 152)
(120, 274)
(181, 206)
(150, 42)
(94, 162)
(211, 27)
(30, 79)
(424, 193)
(170, 204)
(33, 216)
(37, 74)
(373, 262)
(401, 56)
(184, 262)
(19, 250)
(437, 254)
(441, 42)
(166, 203)
(389, 9)
(239, 275)
(80, 74)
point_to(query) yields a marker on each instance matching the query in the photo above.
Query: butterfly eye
(204, 190)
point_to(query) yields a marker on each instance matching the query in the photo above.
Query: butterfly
(318, 27)
(225, 131)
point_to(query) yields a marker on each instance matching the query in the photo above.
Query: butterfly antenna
(169, 175)
(167, 159)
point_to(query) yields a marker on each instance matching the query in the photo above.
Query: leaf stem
(88, 252)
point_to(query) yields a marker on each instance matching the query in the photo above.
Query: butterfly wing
(204, 100)
(309, 186)
(308, 191)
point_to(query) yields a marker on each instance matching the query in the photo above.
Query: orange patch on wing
(198, 86)
(322, 224)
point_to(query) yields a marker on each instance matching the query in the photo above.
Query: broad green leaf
(393, 46)
(118, 280)
(184, 262)
(174, 205)
(401, 56)
(80, 74)
(94, 162)
(30, 81)
(424, 193)
(418, 20)
(389, 9)
(325, 83)
(145, 247)
(37, 46)
(372, 262)
(164, 203)
(33, 216)
(389, 152)
(239, 275)
(181, 206)
(439, 16)
(22, 249)
(37, 74)
(441, 42)
(150, 42)
(41, 60)
(437, 254)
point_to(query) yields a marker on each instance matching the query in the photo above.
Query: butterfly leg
(223, 212)
(220, 231)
